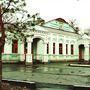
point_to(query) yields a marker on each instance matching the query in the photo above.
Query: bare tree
(87, 31)
(73, 24)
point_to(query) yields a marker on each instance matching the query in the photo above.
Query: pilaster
(86, 53)
(45, 57)
(8, 47)
(29, 54)
(69, 49)
(21, 50)
(64, 50)
(57, 48)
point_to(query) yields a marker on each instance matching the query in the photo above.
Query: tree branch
(7, 6)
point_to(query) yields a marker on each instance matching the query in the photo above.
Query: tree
(73, 24)
(87, 31)
(15, 20)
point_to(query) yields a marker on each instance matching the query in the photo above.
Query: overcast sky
(66, 9)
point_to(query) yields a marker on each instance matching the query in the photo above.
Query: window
(47, 48)
(66, 48)
(72, 50)
(53, 48)
(60, 48)
(14, 46)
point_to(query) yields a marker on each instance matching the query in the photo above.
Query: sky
(66, 9)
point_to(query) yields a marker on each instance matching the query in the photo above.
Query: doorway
(81, 52)
(37, 50)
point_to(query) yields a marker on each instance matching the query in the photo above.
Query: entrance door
(37, 50)
(81, 52)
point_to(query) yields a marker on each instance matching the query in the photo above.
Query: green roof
(59, 24)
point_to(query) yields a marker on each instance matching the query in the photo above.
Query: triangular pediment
(60, 24)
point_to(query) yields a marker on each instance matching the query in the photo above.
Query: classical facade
(56, 40)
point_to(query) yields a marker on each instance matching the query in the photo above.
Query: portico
(84, 48)
(36, 50)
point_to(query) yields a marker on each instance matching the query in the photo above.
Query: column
(76, 51)
(56, 48)
(29, 55)
(8, 48)
(50, 47)
(64, 50)
(50, 50)
(21, 50)
(7, 51)
(86, 52)
(57, 51)
(45, 56)
(69, 51)
(29, 47)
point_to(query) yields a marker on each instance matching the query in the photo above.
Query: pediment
(60, 24)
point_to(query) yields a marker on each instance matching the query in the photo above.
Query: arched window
(66, 48)
(60, 48)
(14, 46)
(72, 50)
(47, 48)
(53, 48)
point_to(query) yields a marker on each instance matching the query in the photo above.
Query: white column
(8, 48)
(64, 50)
(29, 55)
(20, 47)
(21, 50)
(57, 48)
(86, 53)
(51, 48)
(76, 50)
(69, 51)
(45, 57)
(7, 51)
(29, 47)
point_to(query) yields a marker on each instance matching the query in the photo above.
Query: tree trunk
(0, 72)
(2, 41)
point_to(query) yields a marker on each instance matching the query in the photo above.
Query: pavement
(51, 73)
(79, 65)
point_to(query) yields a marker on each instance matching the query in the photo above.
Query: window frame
(14, 46)
(72, 49)
(47, 48)
(60, 48)
(66, 48)
(53, 48)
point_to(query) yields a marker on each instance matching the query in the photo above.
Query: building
(56, 40)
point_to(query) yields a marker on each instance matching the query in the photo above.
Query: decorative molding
(67, 41)
(72, 41)
(54, 39)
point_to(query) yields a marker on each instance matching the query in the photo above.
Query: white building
(56, 41)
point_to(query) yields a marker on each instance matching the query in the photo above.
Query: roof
(59, 23)
(61, 20)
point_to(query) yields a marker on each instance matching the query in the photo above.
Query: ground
(55, 73)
